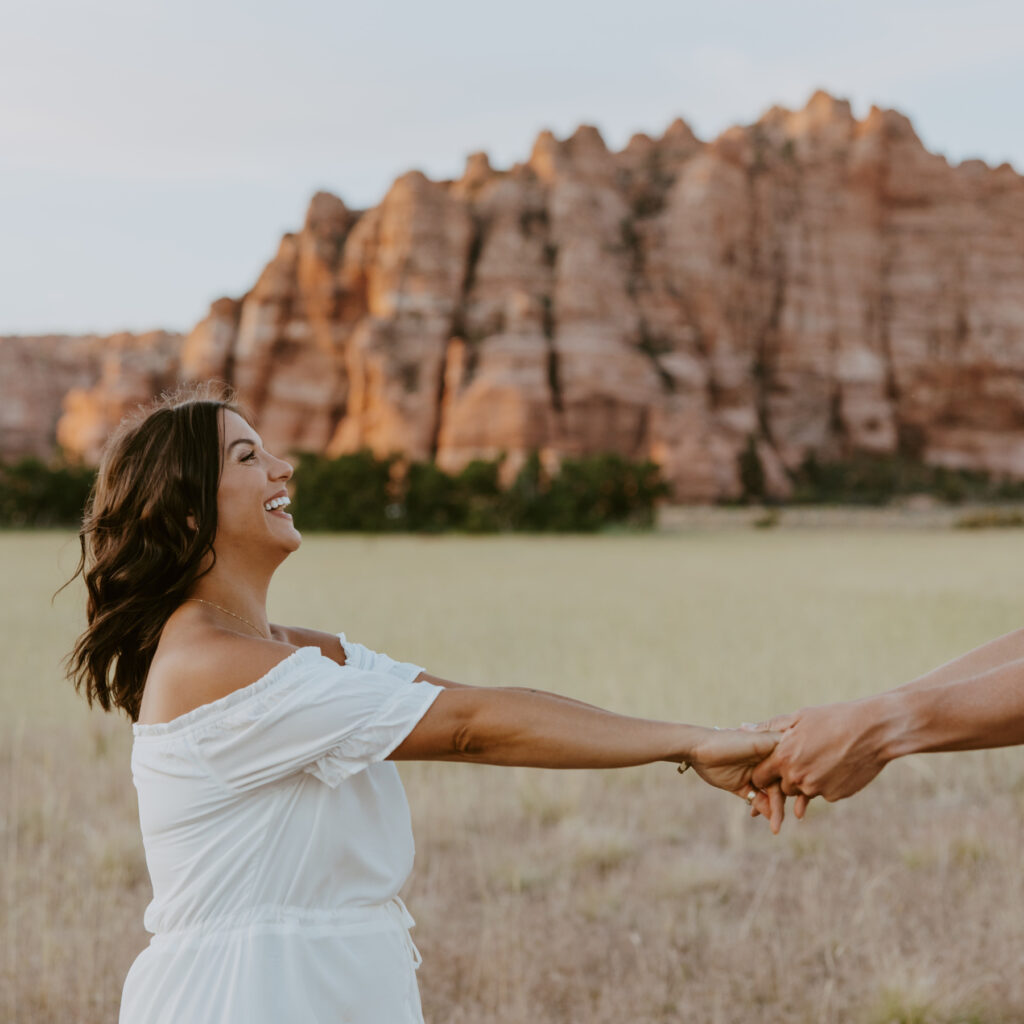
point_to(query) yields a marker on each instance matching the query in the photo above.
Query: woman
(277, 836)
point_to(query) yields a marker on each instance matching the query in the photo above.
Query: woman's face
(250, 479)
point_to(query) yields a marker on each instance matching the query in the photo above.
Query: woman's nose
(284, 469)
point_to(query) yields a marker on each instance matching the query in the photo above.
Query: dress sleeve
(311, 714)
(363, 657)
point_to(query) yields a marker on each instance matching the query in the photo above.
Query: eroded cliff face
(70, 390)
(812, 280)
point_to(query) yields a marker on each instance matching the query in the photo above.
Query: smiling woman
(276, 828)
(147, 536)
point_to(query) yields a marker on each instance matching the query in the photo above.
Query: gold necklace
(231, 613)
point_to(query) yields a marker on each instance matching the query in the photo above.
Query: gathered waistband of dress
(311, 921)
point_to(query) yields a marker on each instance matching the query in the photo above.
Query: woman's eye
(249, 457)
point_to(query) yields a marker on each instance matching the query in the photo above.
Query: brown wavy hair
(140, 555)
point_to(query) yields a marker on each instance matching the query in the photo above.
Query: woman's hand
(726, 758)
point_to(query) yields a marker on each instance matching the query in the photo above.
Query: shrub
(33, 493)
(351, 492)
(360, 492)
(485, 508)
(432, 499)
(586, 494)
(865, 479)
(526, 499)
(988, 518)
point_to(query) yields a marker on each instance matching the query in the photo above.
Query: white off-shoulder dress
(277, 839)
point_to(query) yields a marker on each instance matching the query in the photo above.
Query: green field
(628, 897)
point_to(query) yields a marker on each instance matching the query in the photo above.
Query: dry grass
(628, 897)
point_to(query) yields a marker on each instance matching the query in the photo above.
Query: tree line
(365, 492)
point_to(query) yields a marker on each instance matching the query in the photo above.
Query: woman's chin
(286, 543)
(291, 541)
(289, 536)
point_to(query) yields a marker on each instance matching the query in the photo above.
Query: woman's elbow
(466, 742)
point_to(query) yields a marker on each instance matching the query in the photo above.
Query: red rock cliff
(813, 280)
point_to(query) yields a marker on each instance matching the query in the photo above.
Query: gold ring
(750, 796)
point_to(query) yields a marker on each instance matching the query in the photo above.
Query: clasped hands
(830, 751)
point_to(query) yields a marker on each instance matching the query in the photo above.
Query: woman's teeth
(277, 503)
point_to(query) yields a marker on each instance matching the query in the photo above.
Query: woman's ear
(191, 520)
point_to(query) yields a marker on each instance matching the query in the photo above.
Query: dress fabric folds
(277, 839)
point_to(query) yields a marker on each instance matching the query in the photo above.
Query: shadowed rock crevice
(549, 327)
(884, 320)
(765, 347)
(476, 246)
(771, 270)
(457, 332)
(439, 401)
(654, 347)
(837, 432)
(698, 342)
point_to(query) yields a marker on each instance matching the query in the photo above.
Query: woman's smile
(249, 471)
(276, 506)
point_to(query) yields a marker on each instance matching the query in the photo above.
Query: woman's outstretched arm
(531, 728)
(521, 726)
(426, 677)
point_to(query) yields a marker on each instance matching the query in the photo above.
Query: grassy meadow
(626, 897)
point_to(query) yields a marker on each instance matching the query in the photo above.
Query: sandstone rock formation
(814, 281)
(132, 369)
(96, 380)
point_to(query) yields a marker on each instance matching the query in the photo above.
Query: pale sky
(152, 153)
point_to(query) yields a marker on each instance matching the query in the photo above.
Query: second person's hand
(832, 750)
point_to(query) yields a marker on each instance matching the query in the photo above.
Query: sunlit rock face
(35, 374)
(132, 369)
(812, 281)
(68, 391)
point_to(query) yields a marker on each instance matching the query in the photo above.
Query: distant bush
(989, 518)
(33, 493)
(362, 492)
(868, 479)
(351, 492)
(596, 490)
(433, 500)
(865, 479)
(485, 508)
(768, 520)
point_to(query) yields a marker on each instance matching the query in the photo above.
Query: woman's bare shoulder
(299, 636)
(196, 664)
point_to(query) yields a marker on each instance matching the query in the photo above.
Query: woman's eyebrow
(242, 440)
